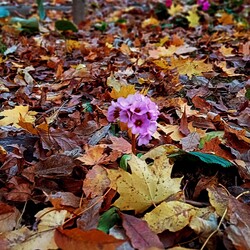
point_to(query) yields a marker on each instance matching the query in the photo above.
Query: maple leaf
(12, 116)
(175, 9)
(172, 215)
(190, 67)
(124, 91)
(146, 185)
(193, 18)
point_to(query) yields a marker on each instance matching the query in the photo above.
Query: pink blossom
(138, 124)
(204, 4)
(168, 3)
(113, 111)
(140, 114)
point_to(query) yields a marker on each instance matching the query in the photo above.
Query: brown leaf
(77, 239)
(213, 146)
(9, 217)
(140, 235)
(120, 144)
(56, 164)
(201, 104)
(90, 217)
(96, 182)
(184, 124)
(190, 142)
(239, 230)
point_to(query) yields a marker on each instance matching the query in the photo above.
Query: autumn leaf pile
(68, 178)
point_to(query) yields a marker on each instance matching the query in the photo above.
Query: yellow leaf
(146, 185)
(150, 21)
(190, 67)
(228, 71)
(166, 149)
(227, 52)
(12, 116)
(123, 92)
(218, 198)
(125, 49)
(174, 9)
(193, 18)
(71, 45)
(162, 41)
(161, 63)
(172, 215)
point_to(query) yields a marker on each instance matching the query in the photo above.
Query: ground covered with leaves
(68, 177)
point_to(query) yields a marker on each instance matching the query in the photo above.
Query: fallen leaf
(12, 116)
(95, 182)
(139, 233)
(193, 18)
(150, 22)
(175, 9)
(238, 231)
(94, 155)
(190, 67)
(78, 239)
(226, 19)
(145, 186)
(172, 216)
(9, 217)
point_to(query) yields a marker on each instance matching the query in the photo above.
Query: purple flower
(204, 4)
(113, 111)
(138, 124)
(144, 139)
(140, 114)
(168, 3)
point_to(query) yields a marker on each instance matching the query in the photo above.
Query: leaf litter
(69, 178)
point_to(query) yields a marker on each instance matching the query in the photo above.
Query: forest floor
(72, 179)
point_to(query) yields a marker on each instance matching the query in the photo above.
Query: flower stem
(133, 144)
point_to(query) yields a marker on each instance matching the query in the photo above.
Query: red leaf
(139, 233)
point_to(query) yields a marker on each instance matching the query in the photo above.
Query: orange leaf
(78, 239)
(94, 155)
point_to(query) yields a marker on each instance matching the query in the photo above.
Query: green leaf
(108, 219)
(4, 12)
(247, 95)
(102, 26)
(41, 10)
(124, 161)
(31, 23)
(212, 159)
(64, 25)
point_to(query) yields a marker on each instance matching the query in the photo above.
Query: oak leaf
(146, 185)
